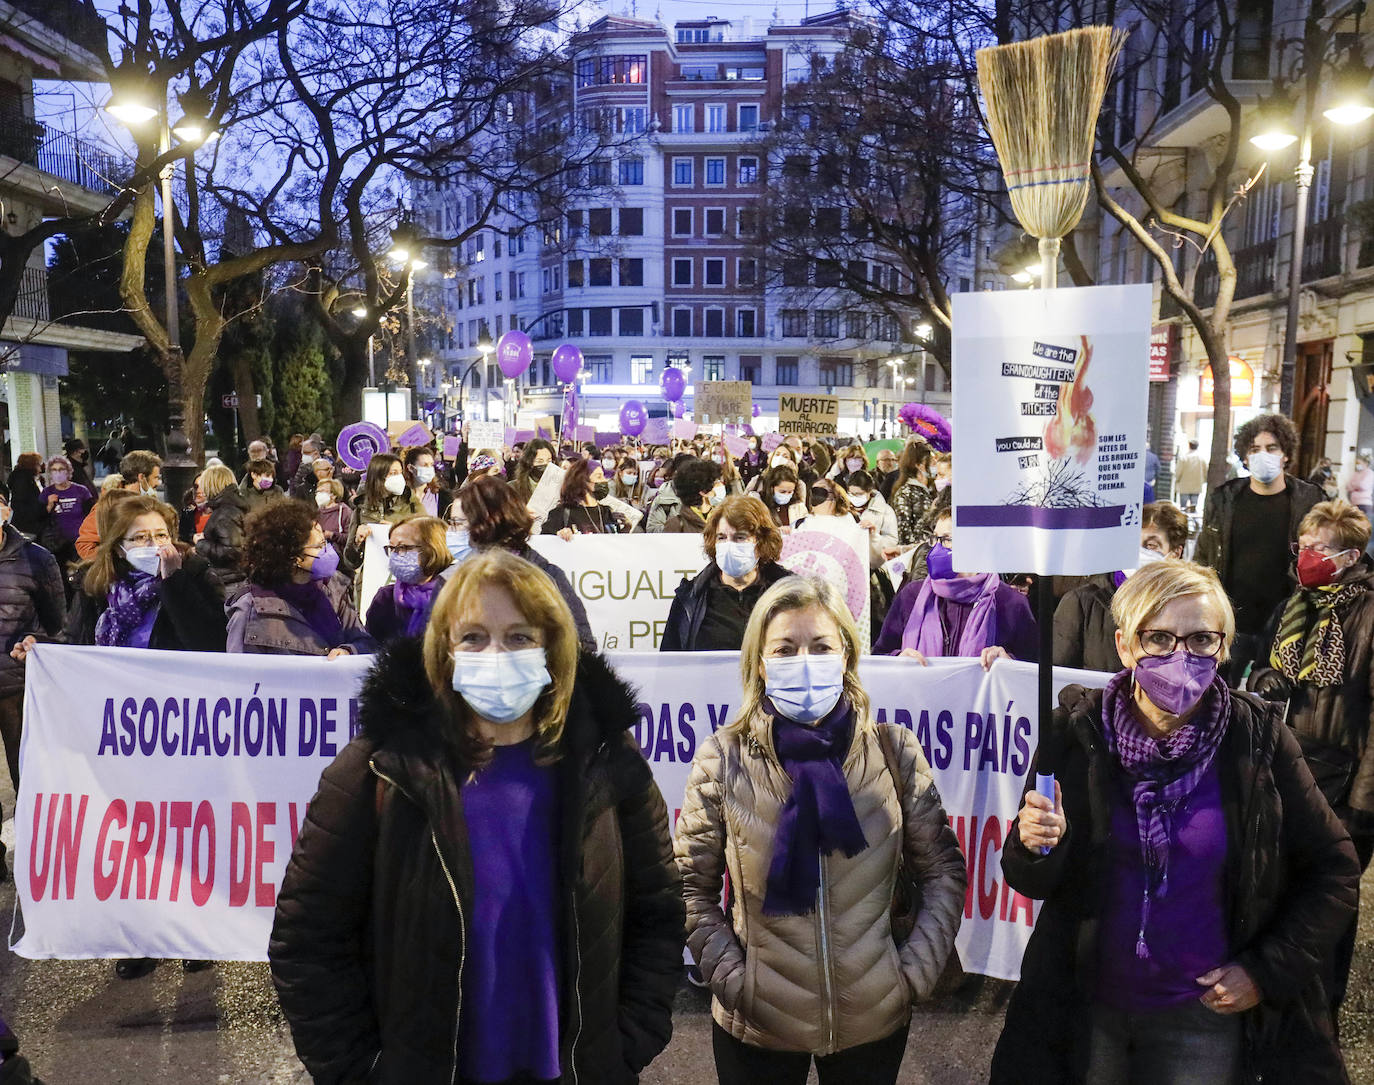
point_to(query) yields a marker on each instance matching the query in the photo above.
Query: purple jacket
(1016, 629)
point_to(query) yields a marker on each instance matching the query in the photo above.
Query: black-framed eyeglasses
(1164, 642)
(947, 541)
(399, 548)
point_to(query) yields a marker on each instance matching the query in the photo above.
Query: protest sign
(546, 495)
(834, 548)
(376, 567)
(518, 436)
(684, 429)
(723, 401)
(657, 431)
(771, 441)
(406, 433)
(1049, 421)
(486, 435)
(452, 446)
(544, 427)
(736, 446)
(808, 415)
(161, 825)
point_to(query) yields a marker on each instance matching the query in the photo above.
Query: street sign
(230, 401)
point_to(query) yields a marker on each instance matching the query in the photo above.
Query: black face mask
(601, 490)
(537, 471)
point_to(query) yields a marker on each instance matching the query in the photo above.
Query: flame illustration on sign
(1072, 430)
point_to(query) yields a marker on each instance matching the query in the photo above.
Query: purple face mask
(1176, 682)
(940, 562)
(325, 564)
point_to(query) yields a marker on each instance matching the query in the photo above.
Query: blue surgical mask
(405, 567)
(459, 544)
(804, 688)
(501, 686)
(736, 558)
(1266, 466)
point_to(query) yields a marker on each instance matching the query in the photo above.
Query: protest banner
(723, 401)
(1049, 423)
(808, 415)
(160, 825)
(834, 548)
(486, 435)
(376, 572)
(546, 495)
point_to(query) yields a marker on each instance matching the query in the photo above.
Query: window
(599, 368)
(796, 220)
(575, 321)
(623, 69)
(748, 118)
(715, 171)
(827, 323)
(632, 171)
(715, 272)
(599, 222)
(631, 321)
(634, 120)
(684, 118)
(576, 278)
(682, 271)
(794, 272)
(829, 221)
(829, 273)
(631, 221)
(599, 172)
(746, 271)
(600, 272)
(748, 169)
(830, 170)
(496, 287)
(587, 69)
(748, 221)
(715, 324)
(632, 271)
(481, 292)
(682, 171)
(747, 322)
(744, 73)
(682, 222)
(837, 372)
(715, 222)
(599, 321)
(641, 365)
(794, 323)
(682, 323)
(700, 71)
(787, 371)
(546, 280)
(750, 368)
(856, 325)
(964, 284)
(713, 365)
(715, 118)
(496, 247)
(796, 167)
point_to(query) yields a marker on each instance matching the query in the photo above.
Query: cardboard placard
(544, 427)
(736, 446)
(723, 401)
(771, 441)
(485, 435)
(808, 415)
(452, 446)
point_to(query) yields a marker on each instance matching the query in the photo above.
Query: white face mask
(736, 558)
(804, 688)
(608, 465)
(1147, 557)
(858, 500)
(501, 686)
(323, 498)
(717, 495)
(1266, 466)
(424, 475)
(395, 485)
(780, 461)
(307, 458)
(146, 559)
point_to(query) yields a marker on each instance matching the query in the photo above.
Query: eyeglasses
(947, 541)
(145, 538)
(1320, 548)
(400, 548)
(1162, 642)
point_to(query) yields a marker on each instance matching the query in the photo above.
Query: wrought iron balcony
(60, 154)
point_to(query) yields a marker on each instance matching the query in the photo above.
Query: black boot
(132, 968)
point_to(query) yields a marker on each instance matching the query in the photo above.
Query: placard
(657, 431)
(684, 429)
(723, 401)
(808, 415)
(486, 435)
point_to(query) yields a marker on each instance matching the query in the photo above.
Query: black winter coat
(31, 601)
(1214, 542)
(221, 542)
(367, 947)
(1291, 887)
(1084, 629)
(689, 605)
(191, 617)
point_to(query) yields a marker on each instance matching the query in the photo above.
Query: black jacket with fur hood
(368, 944)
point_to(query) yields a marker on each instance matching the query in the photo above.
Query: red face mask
(1315, 570)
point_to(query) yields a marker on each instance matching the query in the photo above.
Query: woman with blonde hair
(494, 821)
(1195, 881)
(810, 806)
(221, 542)
(418, 557)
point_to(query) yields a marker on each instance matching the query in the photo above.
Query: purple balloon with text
(567, 362)
(633, 418)
(514, 352)
(673, 384)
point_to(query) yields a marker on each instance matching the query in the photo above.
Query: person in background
(88, 539)
(584, 504)
(1151, 472)
(496, 812)
(385, 499)
(418, 557)
(729, 472)
(302, 484)
(331, 512)
(1321, 666)
(221, 543)
(424, 481)
(886, 467)
(711, 610)
(911, 492)
(67, 504)
(28, 507)
(497, 518)
(295, 447)
(1248, 528)
(827, 498)
(852, 459)
(698, 486)
(260, 487)
(74, 448)
(783, 494)
(875, 516)
(295, 601)
(534, 458)
(1084, 629)
(811, 807)
(485, 462)
(958, 614)
(323, 470)
(628, 484)
(1359, 487)
(1194, 880)
(1190, 476)
(666, 503)
(257, 450)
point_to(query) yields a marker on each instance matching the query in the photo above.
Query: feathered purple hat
(927, 422)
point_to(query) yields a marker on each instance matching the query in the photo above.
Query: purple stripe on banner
(1037, 516)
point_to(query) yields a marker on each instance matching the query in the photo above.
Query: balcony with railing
(59, 154)
(32, 300)
(1322, 250)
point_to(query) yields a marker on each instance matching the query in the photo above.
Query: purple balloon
(514, 353)
(756, 410)
(633, 418)
(678, 409)
(672, 384)
(567, 361)
(746, 431)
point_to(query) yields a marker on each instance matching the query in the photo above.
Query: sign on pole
(808, 415)
(1049, 428)
(723, 401)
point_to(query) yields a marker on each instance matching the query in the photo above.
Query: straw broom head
(1043, 97)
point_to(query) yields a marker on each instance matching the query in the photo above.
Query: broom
(1042, 99)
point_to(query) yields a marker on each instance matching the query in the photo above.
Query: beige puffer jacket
(834, 979)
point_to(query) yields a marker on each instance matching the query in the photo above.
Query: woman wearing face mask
(828, 499)
(957, 614)
(700, 490)
(295, 601)
(1320, 665)
(851, 460)
(424, 481)
(1359, 487)
(1084, 629)
(874, 515)
(796, 802)
(333, 516)
(385, 499)
(66, 504)
(711, 610)
(494, 821)
(419, 559)
(586, 507)
(784, 495)
(221, 543)
(1194, 880)
(629, 484)
(259, 485)
(911, 493)
(536, 456)
(666, 502)
(782, 456)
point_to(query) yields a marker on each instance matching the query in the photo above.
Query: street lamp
(404, 244)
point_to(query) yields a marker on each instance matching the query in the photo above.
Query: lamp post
(361, 314)
(1350, 105)
(404, 240)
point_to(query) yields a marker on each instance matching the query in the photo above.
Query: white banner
(1049, 428)
(160, 825)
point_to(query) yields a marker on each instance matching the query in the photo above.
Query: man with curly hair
(1248, 527)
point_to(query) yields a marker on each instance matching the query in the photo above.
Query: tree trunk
(195, 375)
(246, 388)
(1217, 465)
(348, 396)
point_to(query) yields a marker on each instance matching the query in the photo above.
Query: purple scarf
(133, 601)
(924, 630)
(1163, 772)
(819, 814)
(417, 599)
(316, 608)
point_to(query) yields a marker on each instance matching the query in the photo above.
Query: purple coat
(1016, 629)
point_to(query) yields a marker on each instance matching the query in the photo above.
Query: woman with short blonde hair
(418, 558)
(810, 806)
(1189, 870)
(494, 821)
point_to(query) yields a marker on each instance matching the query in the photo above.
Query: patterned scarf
(1163, 773)
(1310, 646)
(132, 601)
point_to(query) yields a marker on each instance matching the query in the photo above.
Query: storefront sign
(1242, 385)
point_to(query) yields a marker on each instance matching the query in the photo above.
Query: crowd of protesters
(1199, 859)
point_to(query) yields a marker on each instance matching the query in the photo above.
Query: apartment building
(43, 172)
(660, 263)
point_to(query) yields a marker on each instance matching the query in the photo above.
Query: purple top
(1014, 622)
(1187, 923)
(509, 1020)
(70, 508)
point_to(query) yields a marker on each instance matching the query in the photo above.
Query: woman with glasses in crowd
(1194, 880)
(418, 559)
